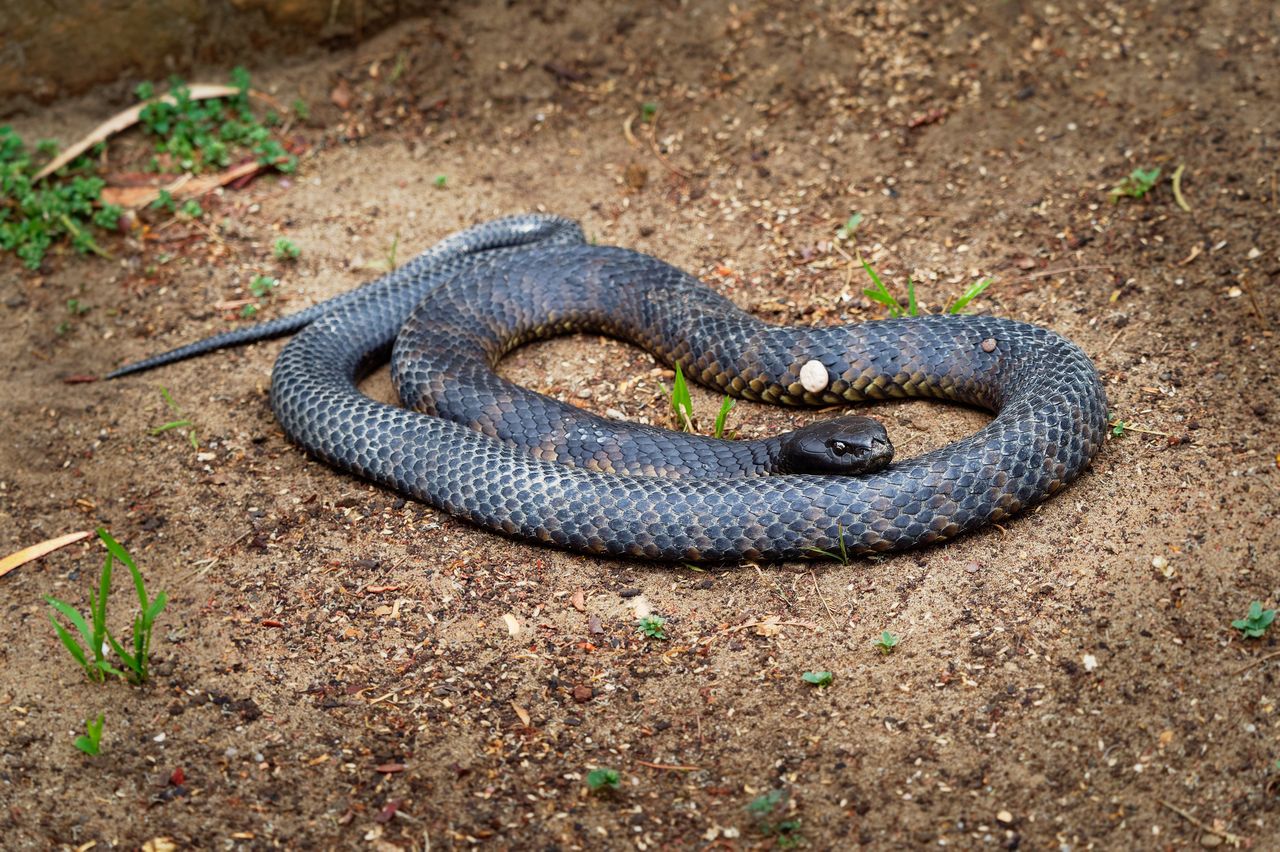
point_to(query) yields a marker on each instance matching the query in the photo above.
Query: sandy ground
(335, 667)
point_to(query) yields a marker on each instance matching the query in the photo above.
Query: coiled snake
(493, 286)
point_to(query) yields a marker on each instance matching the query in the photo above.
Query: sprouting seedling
(1256, 623)
(818, 679)
(182, 422)
(786, 833)
(97, 638)
(144, 622)
(603, 780)
(191, 209)
(89, 742)
(285, 249)
(887, 642)
(441, 181)
(651, 626)
(648, 110)
(681, 402)
(851, 224)
(1138, 183)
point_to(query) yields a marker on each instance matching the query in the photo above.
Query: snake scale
(488, 288)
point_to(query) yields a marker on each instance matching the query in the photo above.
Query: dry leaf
(35, 551)
(579, 600)
(513, 626)
(184, 187)
(522, 713)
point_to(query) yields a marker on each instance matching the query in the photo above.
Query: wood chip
(513, 625)
(522, 713)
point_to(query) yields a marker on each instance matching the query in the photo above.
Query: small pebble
(1210, 841)
(1004, 817)
(1159, 563)
(989, 345)
(813, 376)
(972, 568)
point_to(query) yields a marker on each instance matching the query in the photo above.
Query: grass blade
(880, 293)
(681, 402)
(969, 295)
(72, 646)
(725, 407)
(913, 310)
(74, 617)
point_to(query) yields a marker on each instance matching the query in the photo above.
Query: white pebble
(813, 376)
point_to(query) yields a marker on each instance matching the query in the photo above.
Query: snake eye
(838, 447)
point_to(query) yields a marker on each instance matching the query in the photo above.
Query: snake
(486, 289)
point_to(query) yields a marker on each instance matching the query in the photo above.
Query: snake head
(842, 445)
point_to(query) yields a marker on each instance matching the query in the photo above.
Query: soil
(338, 667)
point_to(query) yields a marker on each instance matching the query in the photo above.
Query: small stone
(1004, 817)
(1210, 841)
(989, 345)
(813, 376)
(1090, 662)
(1159, 563)
(972, 568)
(582, 693)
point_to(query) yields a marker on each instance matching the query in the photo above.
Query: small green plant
(300, 109)
(887, 642)
(249, 311)
(726, 405)
(89, 742)
(76, 308)
(144, 622)
(651, 626)
(191, 209)
(261, 286)
(285, 249)
(1256, 623)
(648, 110)
(197, 135)
(182, 422)
(818, 679)
(603, 780)
(440, 181)
(681, 402)
(1136, 185)
(764, 809)
(64, 206)
(851, 224)
(164, 201)
(96, 636)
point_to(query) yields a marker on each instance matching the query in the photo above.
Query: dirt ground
(337, 667)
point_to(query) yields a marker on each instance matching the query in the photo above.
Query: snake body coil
(1050, 409)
